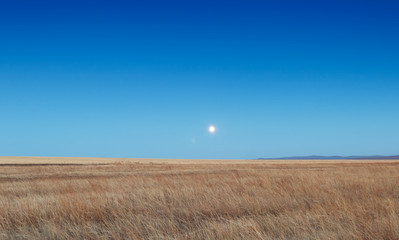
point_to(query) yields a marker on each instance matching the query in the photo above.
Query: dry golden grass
(165, 199)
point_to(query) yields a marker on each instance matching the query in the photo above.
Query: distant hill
(376, 157)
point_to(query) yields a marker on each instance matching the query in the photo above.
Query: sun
(211, 129)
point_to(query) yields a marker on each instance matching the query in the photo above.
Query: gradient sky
(147, 78)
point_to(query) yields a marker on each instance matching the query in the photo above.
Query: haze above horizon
(148, 79)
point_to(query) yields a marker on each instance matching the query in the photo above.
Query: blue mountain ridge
(372, 157)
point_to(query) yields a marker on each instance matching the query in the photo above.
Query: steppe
(104, 198)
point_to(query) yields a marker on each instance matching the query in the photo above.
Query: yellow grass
(199, 199)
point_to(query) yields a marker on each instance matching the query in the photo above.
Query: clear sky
(147, 78)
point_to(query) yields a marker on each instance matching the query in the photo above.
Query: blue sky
(146, 79)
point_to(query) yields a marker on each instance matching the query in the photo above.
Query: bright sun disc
(211, 129)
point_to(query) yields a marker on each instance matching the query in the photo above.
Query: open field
(86, 160)
(94, 198)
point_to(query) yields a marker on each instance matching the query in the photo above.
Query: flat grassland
(89, 198)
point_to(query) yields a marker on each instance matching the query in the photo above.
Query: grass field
(94, 198)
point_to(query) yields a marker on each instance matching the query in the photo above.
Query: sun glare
(211, 129)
